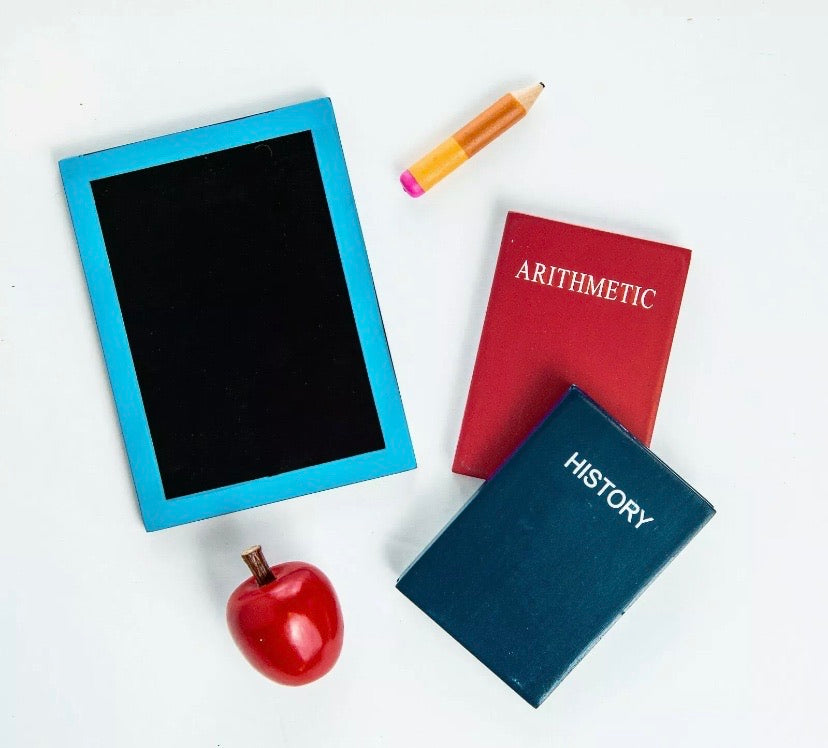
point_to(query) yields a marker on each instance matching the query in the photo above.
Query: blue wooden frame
(78, 172)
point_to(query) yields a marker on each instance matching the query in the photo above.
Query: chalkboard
(237, 313)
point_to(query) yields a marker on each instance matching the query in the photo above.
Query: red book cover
(569, 305)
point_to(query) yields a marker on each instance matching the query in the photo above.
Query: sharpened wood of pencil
(468, 140)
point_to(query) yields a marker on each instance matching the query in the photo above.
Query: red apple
(286, 620)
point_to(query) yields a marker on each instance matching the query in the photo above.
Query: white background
(705, 131)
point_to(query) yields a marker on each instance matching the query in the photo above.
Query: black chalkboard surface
(235, 304)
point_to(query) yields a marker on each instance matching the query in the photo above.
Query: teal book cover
(553, 549)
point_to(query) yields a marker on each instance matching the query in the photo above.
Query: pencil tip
(542, 84)
(527, 96)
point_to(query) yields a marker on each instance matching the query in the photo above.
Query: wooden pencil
(468, 140)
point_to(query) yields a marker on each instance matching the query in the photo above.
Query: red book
(569, 305)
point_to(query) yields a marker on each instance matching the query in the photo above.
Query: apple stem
(255, 560)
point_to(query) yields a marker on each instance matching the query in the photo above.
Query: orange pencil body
(468, 140)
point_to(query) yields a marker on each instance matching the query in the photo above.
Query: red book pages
(569, 305)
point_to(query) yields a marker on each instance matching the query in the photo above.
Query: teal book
(552, 550)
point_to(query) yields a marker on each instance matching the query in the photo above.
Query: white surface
(705, 132)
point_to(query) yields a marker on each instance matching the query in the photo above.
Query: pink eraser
(411, 185)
